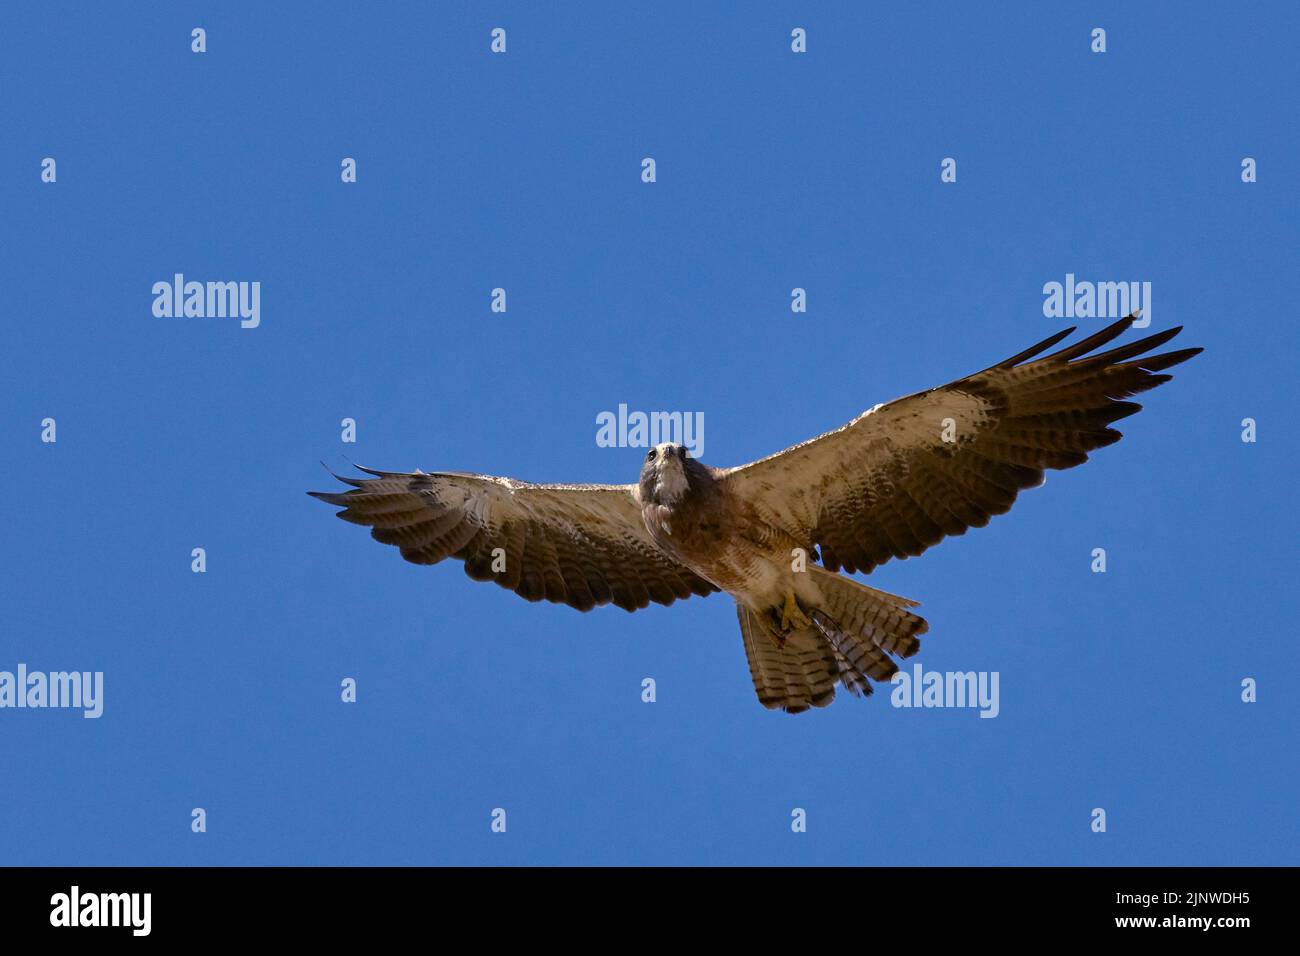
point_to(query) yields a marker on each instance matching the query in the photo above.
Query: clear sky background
(1118, 690)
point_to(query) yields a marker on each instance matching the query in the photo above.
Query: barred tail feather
(869, 619)
(791, 672)
(853, 632)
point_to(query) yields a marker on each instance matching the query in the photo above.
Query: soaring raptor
(775, 533)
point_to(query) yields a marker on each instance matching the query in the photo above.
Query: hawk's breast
(721, 540)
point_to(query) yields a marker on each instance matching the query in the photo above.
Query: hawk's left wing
(581, 545)
(901, 476)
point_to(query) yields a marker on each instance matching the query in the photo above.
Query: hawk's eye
(650, 455)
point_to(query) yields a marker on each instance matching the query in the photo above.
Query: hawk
(776, 533)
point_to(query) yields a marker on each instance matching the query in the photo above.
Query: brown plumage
(886, 484)
(889, 484)
(581, 545)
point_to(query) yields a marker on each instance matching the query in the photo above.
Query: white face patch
(670, 480)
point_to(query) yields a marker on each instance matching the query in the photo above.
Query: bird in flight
(775, 533)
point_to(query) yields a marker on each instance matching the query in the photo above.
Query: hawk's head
(669, 473)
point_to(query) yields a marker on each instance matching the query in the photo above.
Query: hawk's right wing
(581, 545)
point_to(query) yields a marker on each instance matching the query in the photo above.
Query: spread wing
(902, 476)
(581, 545)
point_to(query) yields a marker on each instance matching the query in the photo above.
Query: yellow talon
(791, 614)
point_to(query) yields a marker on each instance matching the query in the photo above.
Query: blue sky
(522, 171)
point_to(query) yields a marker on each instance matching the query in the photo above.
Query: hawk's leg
(792, 615)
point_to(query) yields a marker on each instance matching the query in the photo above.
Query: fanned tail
(849, 640)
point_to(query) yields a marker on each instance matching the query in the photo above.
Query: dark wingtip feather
(1033, 350)
(354, 482)
(379, 474)
(331, 497)
(1141, 346)
(1117, 410)
(1099, 338)
(1156, 363)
